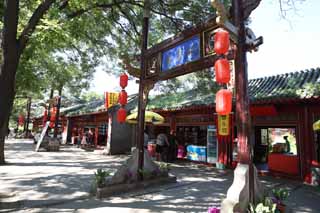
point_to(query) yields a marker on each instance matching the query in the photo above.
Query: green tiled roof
(180, 100)
(296, 85)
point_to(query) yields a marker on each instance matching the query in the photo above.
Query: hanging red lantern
(123, 80)
(221, 42)
(223, 102)
(222, 70)
(45, 117)
(53, 113)
(121, 115)
(21, 120)
(123, 97)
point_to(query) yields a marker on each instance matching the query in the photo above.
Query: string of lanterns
(123, 99)
(222, 72)
(21, 120)
(53, 112)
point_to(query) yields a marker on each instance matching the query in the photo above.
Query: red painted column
(96, 135)
(306, 144)
(173, 124)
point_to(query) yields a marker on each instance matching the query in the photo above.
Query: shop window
(280, 140)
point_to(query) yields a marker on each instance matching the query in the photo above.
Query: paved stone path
(60, 182)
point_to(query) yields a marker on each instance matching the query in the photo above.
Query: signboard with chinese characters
(190, 51)
(111, 98)
(223, 125)
(183, 53)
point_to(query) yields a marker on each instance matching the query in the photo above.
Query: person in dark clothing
(162, 146)
(287, 144)
(173, 146)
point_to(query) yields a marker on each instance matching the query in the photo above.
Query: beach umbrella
(316, 125)
(150, 117)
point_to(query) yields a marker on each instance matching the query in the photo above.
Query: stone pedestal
(53, 145)
(238, 194)
(131, 166)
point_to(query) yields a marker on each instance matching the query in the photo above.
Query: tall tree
(51, 24)
(99, 27)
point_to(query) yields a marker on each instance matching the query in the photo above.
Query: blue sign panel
(183, 53)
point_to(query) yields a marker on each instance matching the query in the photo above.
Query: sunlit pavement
(60, 182)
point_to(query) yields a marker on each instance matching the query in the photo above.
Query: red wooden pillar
(96, 135)
(306, 153)
(173, 124)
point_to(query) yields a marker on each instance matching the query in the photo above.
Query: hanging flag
(223, 125)
(111, 98)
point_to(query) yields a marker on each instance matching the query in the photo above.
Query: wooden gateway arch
(189, 52)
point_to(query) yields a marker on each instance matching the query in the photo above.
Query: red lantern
(221, 42)
(53, 113)
(45, 117)
(222, 70)
(123, 80)
(21, 120)
(122, 114)
(223, 102)
(123, 97)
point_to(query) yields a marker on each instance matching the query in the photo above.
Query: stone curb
(128, 187)
(26, 204)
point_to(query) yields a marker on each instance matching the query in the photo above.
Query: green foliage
(74, 37)
(145, 173)
(267, 206)
(100, 177)
(91, 96)
(164, 167)
(280, 194)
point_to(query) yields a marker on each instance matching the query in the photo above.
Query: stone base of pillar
(238, 194)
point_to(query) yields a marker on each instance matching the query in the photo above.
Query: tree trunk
(8, 68)
(56, 125)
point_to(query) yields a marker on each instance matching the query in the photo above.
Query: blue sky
(290, 44)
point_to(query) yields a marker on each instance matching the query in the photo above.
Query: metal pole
(141, 105)
(242, 99)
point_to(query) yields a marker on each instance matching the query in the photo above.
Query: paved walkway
(60, 182)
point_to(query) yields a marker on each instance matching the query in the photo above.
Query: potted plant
(100, 178)
(280, 195)
(266, 206)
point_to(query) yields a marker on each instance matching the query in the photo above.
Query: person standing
(173, 146)
(146, 140)
(287, 144)
(162, 146)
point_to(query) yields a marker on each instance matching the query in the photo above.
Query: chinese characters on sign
(223, 125)
(185, 52)
(111, 98)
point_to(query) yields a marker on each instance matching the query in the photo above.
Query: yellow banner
(111, 99)
(223, 125)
